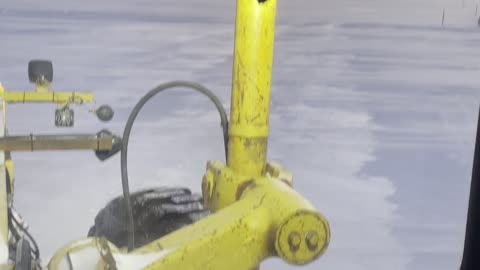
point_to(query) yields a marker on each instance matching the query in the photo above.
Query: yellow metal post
(252, 72)
(4, 251)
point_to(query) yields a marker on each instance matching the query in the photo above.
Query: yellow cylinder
(252, 72)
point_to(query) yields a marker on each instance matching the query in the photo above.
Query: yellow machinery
(256, 214)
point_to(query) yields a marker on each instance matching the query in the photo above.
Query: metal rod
(252, 72)
(46, 97)
(56, 142)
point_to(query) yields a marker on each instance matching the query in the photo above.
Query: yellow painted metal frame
(257, 214)
(46, 97)
(41, 95)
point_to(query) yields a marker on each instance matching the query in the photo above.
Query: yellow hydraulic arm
(256, 212)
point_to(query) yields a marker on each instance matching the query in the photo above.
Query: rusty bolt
(312, 240)
(294, 241)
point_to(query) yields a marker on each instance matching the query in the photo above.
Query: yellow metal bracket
(46, 97)
(301, 235)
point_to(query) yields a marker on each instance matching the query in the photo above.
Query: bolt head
(312, 240)
(294, 241)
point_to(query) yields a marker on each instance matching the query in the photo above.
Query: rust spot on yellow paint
(247, 143)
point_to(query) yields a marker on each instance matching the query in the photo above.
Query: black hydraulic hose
(36, 250)
(126, 136)
(15, 234)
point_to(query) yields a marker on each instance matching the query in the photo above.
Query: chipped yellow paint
(252, 72)
(46, 97)
(242, 234)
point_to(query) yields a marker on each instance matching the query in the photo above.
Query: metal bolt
(312, 240)
(294, 241)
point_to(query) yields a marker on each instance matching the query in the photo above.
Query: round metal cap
(302, 238)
